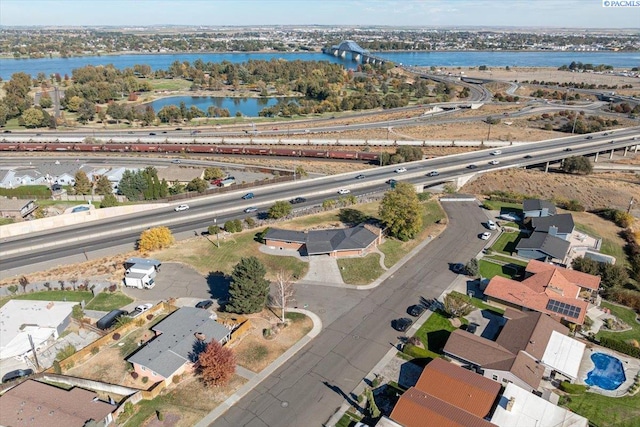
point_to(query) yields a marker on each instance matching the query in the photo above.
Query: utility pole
(215, 222)
(575, 119)
(489, 132)
(33, 350)
(630, 205)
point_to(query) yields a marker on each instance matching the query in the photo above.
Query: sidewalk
(262, 375)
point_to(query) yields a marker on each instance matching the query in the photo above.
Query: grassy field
(360, 271)
(603, 411)
(108, 301)
(628, 316)
(503, 206)
(5, 221)
(434, 334)
(506, 243)
(169, 84)
(489, 269)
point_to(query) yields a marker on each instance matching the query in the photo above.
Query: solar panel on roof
(563, 308)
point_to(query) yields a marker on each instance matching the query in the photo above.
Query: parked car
(433, 173)
(402, 324)
(494, 162)
(204, 304)
(400, 170)
(18, 373)
(485, 236)
(297, 200)
(248, 196)
(181, 208)
(416, 310)
(140, 309)
(344, 191)
(496, 152)
(458, 268)
(251, 209)
(472, 327)
(360, 176)
(491, 225)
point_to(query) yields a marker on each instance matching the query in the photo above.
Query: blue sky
(423, 13)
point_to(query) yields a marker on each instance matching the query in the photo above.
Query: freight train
(188, 148)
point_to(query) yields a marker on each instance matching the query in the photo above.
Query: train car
(229, 150)
(9, 147)
(257, 151)
(31, 146)
(285, 152)
(144, 148)
(352, 155)
(314, 153)
(115, 148)
(200, 148)
(173, 148)
(362, 155)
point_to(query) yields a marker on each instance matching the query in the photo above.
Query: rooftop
(176, 344)
(538, 205)
(323, 241)
(551, 245)
(564, 223)
(33, 403)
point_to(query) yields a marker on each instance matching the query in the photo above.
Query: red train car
(9, 147)
(353, 155)
(314, 153)
(362, 155)
(200, 148)
(257, 150)
(229, 150)
(144, 148)
(285, 152)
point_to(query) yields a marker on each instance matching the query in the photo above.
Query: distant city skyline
(413, 13)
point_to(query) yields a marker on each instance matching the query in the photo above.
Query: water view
(247, 106)
(437, 58)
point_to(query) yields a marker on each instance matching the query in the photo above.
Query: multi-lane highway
(21, 251)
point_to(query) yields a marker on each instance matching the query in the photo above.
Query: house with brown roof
(562, 293)
(32, 403)
(447, 395)
(338, 242)
(525, 351)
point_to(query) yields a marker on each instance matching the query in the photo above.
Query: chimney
(553, 230)
(510, 403)
(200, 336)
(50, 305)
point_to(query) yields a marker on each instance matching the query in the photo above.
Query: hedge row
(620, 346)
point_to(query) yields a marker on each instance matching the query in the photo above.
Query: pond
(249, 107)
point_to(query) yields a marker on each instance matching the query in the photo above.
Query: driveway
(323, 269)
(176, 280)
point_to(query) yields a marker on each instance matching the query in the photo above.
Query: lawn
(360, 271)
(628, 316)
(169, 84)
(204, 255)
(5, 221)
(521, 263)
(434, 334)
(70, 296)
(394, 250)
(494, 205)
(489, 269)
(507, 242)
(106, 301)
(603, 411)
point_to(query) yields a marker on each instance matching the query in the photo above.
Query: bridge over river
(357, 53)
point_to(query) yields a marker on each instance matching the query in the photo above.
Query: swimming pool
(608, 373)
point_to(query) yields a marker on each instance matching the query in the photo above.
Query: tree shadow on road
(352, 401)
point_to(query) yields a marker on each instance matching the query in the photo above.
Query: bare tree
(23, 282)
(283, 292)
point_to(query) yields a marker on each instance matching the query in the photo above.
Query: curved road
(313, 384)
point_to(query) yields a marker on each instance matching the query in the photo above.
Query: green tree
(457, 305)
(82, 183)
(249, 289)
(132, 185)
(472, 268)
(213, 173)
(577, 164)
(279, 210)
(33, 117)
(73, 104)
(401, 212)
(585, 265)
(45, 100)
(613, 275)
(86, 111)
(300, 171)
(109, 201)
(103, 186)
(197, 184)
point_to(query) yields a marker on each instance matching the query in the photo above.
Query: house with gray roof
(339, 242)
(16, 208)
(179, 339)
(543, 247)
(557, 225)
(533, 208)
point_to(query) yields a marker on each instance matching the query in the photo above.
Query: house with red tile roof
(447, 395)
(561, 293)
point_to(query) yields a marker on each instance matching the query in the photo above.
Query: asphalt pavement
(314, 383)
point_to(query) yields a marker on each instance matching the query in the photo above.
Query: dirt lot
(255, 352)
(601, 190)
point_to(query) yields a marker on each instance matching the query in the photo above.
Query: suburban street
(311, 386)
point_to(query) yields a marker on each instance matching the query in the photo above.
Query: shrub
(416, 352)
(56, 367)
(155, 238)
(116, 336)
(134, 375)
(95, 350)
(149, 316)
(250, 222)
(158, 413)
(567, 387)
(620, 346)
(213, 229)
(67, 351)
(145, 379)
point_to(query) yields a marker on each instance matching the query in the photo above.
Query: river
(439, 59)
